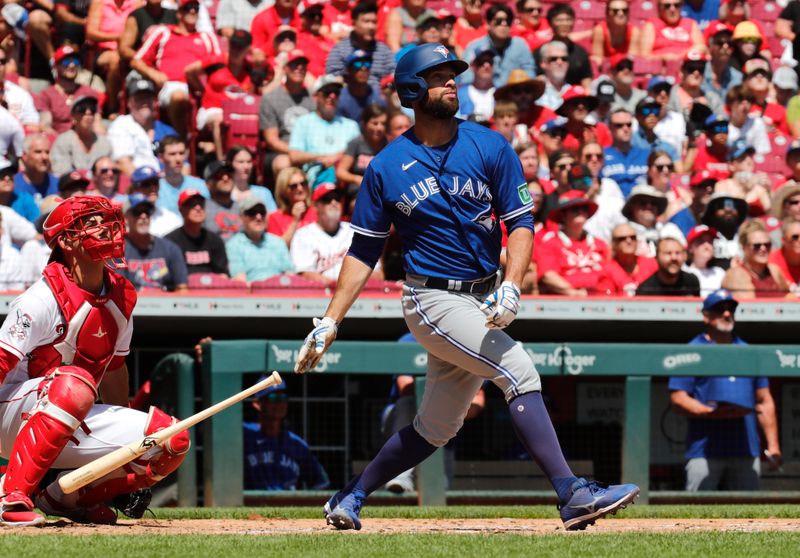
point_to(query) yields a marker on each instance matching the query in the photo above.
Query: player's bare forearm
(685, 404)
(518, 254)
(352, 277)
(114, 386)
(765, 412)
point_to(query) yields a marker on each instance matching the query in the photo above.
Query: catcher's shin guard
(65, 399)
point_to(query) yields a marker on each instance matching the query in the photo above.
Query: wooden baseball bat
(101, 466)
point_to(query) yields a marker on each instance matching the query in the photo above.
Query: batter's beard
(439, 109)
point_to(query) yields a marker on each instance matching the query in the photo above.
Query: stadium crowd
(660, 139)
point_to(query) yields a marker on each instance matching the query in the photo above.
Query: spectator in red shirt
(470, 26)
(524, 91)
(530, 24)
(336, 20)
(712, 152)
(626, 270)
(227, 79)
(577, 105)
(311, 40)
(670, 35)
(615, 34)
(55, 102)
(571, 262)
(400, 27)
(787, 257)
(757, 78)
(284, 12)
(164, 56)
(292, 194)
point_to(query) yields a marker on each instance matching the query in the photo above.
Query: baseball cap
(312, 6)
(699, 231)
(189, 194)
(740, 148)
(141, 86)
(576, 94)
(323, 190)
(296, 54)
(142, 174)
(553, 125)
(325, 80)
(580, 177)
(572, 198)
(757, 65)
(519, 79)
(746, 30)
(605, 91)
(240, 39)
(7, 169)
(487, 52)
(703, 176)
(357, 55)
(445, 15)
(659, 82)
(281, 387)
(425, 19)
(84, 102)
(216, 167)
(137, 199)
(618, 58)
(284, 31)
(65, 51)
(714, 120)
(717, 297)
(251, 202)
(785, 78)
(715, 28)
(182, 3)
(74, 179)
(694, 55)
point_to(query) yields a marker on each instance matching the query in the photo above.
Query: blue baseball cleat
(342, 509)
(592, 500)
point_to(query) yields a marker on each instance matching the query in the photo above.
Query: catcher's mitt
(134, 504)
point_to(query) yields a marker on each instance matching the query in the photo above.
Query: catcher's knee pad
(65, 398)
(173, 451)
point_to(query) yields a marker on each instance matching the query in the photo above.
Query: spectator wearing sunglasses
(275, 458)
(554, 64)
(105, 180)
(711, 152)
(725, 212)
(145, 182)
(787, 256)
(643, 208)
(203, 250)
(253, 253)
(625, 94)
(744, 123)
(530, 24)
(756, 277)
(81, 145)
(758, 78)
(661, 174)
(719, 75)
(55, 102)
(560, 163)
(551, 140)
(627, 269)
(615, 35)
(510, 52)
(689, 91)
(358, 92)
(744, 180)
(20, 202)
(748, 42)
(648, 114)
(561, 18)
(625, 163)
(669, 36)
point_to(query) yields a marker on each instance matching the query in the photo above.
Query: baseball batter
(63, 343)
(444, 184)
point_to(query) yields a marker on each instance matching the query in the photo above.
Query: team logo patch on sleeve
(524, 194)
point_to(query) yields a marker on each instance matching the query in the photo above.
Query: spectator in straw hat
(642, 208)
(524, 91)
(571, 262)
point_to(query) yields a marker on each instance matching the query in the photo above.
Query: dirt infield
(260, 526)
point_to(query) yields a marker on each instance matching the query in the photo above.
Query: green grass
(784, 511)
(707, 544)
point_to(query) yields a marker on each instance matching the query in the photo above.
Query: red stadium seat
(673, 68)
(214, 281)
(773, 164)
(285, 281)
(643, 10)
(645, 68)
(240, 126)
(382, 286)
(779, 144)
(591, 10)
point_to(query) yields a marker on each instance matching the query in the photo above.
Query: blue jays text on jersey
(283, 463)
(444, 202)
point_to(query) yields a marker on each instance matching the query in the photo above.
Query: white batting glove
(502, 306)
(316, 344)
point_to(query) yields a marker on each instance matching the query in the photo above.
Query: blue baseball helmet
(409, 83)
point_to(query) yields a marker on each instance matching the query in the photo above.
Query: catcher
(63, 345)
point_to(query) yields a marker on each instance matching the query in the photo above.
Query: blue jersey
(720, 438)
(445, 201)
(625, 168)
(283, 463)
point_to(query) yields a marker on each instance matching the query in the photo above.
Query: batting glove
(316, 344)
(502, 306)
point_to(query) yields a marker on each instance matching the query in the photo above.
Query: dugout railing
(225, 363)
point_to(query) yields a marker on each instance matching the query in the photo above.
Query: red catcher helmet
(104, 241)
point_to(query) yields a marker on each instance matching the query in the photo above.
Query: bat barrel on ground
(100, 467)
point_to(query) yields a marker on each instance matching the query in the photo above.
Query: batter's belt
(477, 287)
